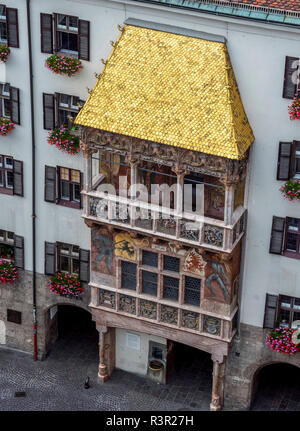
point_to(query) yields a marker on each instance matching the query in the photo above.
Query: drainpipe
(33, 187)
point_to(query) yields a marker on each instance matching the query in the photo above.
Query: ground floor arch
(276, 386)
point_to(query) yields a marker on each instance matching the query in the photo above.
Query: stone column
(229, 202)
(87, 170)
(218, 383)
(102, 371)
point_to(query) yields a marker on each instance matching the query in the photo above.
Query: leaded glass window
(128, 279)
(192, 291)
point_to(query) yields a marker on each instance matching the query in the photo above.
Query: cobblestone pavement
(57, 383)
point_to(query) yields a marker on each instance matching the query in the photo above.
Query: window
(69, 185)
(60, 110)
(9, 33)
(282, 311)
(9, 103)
(149, 283)
(288, 166)
(192, 291)
(11, 176)
(292, 240)
(70, 36)
(150, 258)
(68, 258)
(128, 278)
(291, 75)
(69, 181)
(12, 247)
(14, 316)
(285, 237)
(171, 263)
(170, 288)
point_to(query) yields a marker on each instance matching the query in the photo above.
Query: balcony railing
(187, 227)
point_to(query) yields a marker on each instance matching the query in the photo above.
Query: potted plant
(4, 53)
(291, 190)
(294, 108)
(64, 140)
(66, 285)
(62, 65)
(280, 340)
(8, 272)
(6, 126)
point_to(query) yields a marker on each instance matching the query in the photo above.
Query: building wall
(131, 359)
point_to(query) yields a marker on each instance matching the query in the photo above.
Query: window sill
(6, 191)
(69, 204)
(66, 53)
(291, 254)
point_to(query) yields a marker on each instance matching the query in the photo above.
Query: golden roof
(171, 89)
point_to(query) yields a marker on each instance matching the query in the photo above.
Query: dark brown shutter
(18, 178)
(19, 251)
(84, 273)
(14, 105)
(284, 160)
(84, 40)
(270, 311)
(50, 184)
(46, 33)
(289, 88)
(48, 107)
(81, 185)
(12, 27)
(50, 258)
(293, 159)
(277, 235)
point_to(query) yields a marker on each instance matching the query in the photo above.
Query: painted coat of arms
(194, 262)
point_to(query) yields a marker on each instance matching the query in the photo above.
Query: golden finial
(103, 61)
(120, 28)
(89, 90)
(97, 75)
(113, 43)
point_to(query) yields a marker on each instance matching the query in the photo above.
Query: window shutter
(46, 33)
(81, 185)
(84, 40)
(270, 311)
(48, 107)
(50, 258)
(50, 184)
(84, 273)
(277, 233)
(18, 178)
(19, 251)
(15, 105)
(12, 27)
(289, 88)
(284, 160)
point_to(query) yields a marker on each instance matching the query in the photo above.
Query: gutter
(33, 186)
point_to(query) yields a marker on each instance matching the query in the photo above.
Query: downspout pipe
(33, 185)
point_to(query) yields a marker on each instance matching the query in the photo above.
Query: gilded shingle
(172, 89)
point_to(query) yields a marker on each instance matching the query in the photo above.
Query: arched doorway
(276, 387)
(72, 331)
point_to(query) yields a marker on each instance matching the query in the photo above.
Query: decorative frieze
(127, 304)
(99, 208)
(107, 298)
(188, 230)
(190, 320)
(211, 325)
(169, 314)
(213, 235)
(148, 309)
(166, 225)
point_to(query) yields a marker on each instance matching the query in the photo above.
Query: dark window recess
(149, 283)
(128, 278)
(291, 75)
(170, 288)
(171, 263)
(150, 259)
(11, 176)
(192, 291)
(14, 316)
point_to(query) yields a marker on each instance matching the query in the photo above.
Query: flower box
(64, 140)
(62, 65)
(280, 340)
(4, 53)
(294, 108)
(8, 272)
(66, 285)
(291, 190)
(6, 126)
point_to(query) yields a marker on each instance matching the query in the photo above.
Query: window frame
(69, 108)
(67, 30)
(4, 169)
(3, 20)
(291, 309)
(70, 256)
(71, 202)
(286, 252)
(7, 242)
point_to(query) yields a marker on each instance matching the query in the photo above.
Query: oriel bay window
(67, 258)
(66, 34)
(11, 176)
(60, 110)
(12, 247)
(9, 31)
(282, 311)
(285, 237)
(63, 186)
(9, 103)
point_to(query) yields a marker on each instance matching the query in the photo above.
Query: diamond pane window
(128, 280)
(171, 263)
(171, 288)
(149, 283)
(150, 259)
(192, 291)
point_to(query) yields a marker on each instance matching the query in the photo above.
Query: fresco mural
(102, 251)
